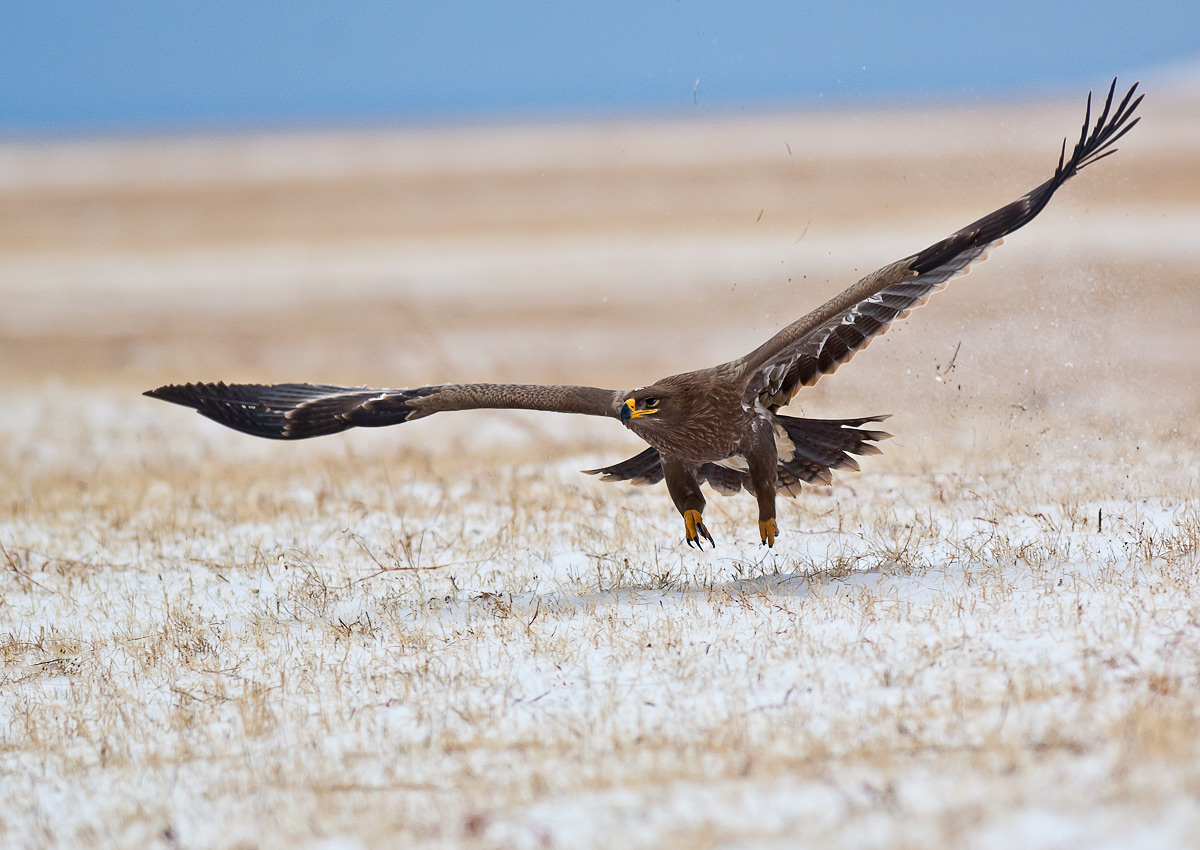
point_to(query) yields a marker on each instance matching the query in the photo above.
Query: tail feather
(821, 446)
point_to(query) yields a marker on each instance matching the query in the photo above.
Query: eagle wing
(827, 337)
(299, 411)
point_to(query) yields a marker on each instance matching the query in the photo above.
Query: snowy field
(443, 635)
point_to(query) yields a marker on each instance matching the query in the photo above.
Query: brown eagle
(720, 425)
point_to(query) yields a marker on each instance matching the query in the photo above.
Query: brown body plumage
(719, 426)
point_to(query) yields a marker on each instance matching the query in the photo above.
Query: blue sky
(162, 65)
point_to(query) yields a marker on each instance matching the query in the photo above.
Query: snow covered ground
(444, 635)
(248, 645)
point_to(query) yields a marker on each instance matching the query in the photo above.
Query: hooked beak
(628, 412)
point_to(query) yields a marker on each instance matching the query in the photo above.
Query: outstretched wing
(299, 411)
(829, 336)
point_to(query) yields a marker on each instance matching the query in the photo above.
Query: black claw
(701, 535)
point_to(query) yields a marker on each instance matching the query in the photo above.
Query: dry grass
(443, 635)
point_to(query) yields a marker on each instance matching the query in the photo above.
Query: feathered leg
(684, 487)
(762, 459)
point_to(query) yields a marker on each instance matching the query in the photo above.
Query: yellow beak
(630, 412)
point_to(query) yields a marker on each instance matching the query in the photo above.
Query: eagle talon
(694, 530)
(767, 529)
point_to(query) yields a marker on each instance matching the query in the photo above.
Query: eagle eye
(650, 402)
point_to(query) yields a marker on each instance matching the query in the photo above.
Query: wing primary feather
(274, 411)
(1090, 148)
(813, 346)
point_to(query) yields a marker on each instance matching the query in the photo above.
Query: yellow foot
(767, 530)
(694, 530)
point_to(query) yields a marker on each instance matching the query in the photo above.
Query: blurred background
(137, 66)
(404, 194)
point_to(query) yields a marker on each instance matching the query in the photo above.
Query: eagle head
(640, 404)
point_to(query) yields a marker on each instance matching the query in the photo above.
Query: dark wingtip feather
(1087, 116)
(267, 410)
(184, 394)
(1092, 147)
(1095, 143)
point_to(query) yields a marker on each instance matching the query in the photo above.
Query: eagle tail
(822, 445)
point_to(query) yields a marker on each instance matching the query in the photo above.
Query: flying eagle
(720, 425)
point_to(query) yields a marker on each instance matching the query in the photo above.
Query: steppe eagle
(720, 425)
